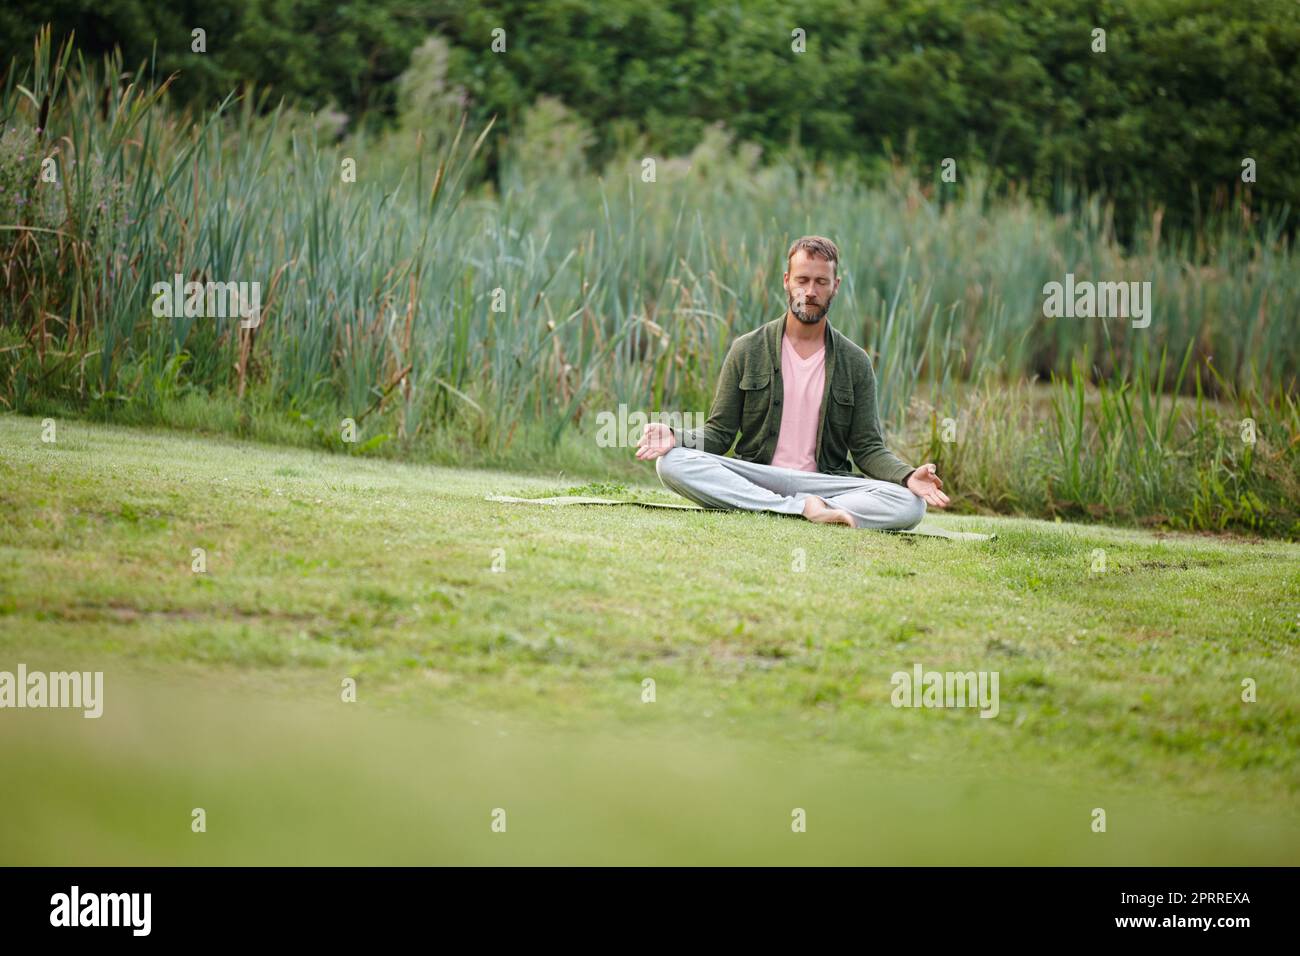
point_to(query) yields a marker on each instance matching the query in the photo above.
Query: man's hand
(925, 483)
(656, 440)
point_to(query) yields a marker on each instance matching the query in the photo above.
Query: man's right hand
(656, 440)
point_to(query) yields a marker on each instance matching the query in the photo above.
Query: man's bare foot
(815, 509)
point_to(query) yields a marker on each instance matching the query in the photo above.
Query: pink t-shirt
(803, 381)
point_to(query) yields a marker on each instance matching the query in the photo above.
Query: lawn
(1121, 656)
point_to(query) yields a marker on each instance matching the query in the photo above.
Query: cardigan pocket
(756, 386)
(840, 409)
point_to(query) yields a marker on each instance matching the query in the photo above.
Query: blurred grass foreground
(318, 784)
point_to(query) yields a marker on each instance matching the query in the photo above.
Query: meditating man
(803, 398)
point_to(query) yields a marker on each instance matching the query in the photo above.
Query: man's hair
(815, 246)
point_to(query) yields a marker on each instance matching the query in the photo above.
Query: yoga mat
(921, 530)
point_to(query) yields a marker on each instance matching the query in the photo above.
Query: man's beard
(805, 316)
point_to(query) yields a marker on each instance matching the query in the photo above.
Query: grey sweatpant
(715, 481)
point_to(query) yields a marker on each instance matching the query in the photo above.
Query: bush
(1184, 92)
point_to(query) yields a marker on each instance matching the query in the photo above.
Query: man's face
(810, 287)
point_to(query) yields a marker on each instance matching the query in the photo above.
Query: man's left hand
(926, 483)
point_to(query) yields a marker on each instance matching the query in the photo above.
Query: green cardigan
(748, 401)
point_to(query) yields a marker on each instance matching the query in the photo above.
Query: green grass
(523, 689)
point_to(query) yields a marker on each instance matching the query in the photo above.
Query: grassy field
(522, 689)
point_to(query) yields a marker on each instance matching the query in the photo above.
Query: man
(803, 399)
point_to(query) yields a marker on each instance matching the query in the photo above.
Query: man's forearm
(884, 465)
(868, 445)
(710, 437)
